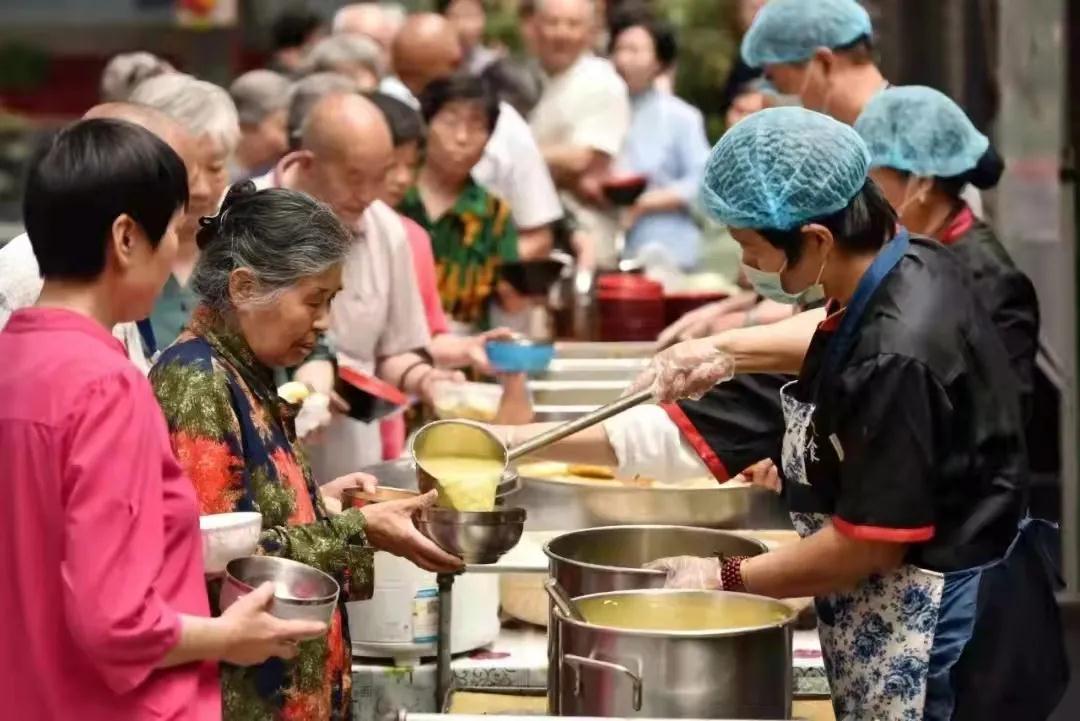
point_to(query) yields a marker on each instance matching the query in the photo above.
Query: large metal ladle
(443, 439)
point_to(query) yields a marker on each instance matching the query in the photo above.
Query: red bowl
(676, 305)
(624, 190)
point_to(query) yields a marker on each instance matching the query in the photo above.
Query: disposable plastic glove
(686, 370)
(689, 573)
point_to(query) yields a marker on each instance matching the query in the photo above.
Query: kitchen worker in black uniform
(903, 459)
(923, 151)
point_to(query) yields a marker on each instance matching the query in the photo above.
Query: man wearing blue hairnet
(903, 458)
(819, 50)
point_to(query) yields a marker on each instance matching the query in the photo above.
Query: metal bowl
(300, 591)
(555, 505)
(479, 537)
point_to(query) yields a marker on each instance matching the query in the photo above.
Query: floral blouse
(237, 442)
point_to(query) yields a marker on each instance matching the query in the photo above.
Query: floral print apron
(894, 646)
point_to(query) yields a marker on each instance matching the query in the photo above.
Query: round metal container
(742, 672)
(557, 505)
(597, 560)
(600, 560)
(301, 592)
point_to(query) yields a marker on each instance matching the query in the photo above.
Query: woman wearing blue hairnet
(903, 456)
(923, 151)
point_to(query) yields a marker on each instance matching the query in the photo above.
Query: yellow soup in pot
(682, 612)
(465, 484)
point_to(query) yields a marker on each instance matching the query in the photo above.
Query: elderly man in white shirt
(20, 281)
(582, 118)
(512, 167)
(377, 322)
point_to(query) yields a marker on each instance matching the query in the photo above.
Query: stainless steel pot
(600, 560)
(742, 672)
(554, 505)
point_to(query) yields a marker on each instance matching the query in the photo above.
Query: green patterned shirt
(236, 440)
(470, 241)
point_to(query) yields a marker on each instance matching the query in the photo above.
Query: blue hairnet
(780, 167)
(789, 31)
(920, 130)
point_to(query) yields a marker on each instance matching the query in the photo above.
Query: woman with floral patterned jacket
(269, 267)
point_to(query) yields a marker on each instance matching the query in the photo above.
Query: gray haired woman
(209, 114)
(270, 265)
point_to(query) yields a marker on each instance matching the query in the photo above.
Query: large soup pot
(598, 560)
(721, 671)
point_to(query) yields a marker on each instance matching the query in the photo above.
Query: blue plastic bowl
(519, 356)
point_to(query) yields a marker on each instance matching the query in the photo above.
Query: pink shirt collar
(29, 320)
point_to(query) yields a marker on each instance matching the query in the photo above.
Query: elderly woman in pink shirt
(104, 603)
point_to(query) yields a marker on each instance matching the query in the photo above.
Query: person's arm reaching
(244, 634)
(691, 368)
(825, 562)
(775, 348)
(642, 441)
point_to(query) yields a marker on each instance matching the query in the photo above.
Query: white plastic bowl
(228, 536)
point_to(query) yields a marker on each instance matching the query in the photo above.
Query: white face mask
(770, 284)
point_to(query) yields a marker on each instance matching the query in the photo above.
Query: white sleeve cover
(648, 443)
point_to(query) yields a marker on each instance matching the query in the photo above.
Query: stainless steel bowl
(555, 505)
(477, 537)
(300, 591)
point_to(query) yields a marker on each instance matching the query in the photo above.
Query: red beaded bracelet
(731, 573)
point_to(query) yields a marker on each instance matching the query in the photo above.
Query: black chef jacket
(1005, 291)
(918, 436)
(736, 424)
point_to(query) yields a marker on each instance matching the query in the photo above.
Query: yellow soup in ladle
(465, 484)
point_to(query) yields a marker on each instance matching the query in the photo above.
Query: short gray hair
(201, 107)
(307, 93)
(332, 52)
(281, 236)
(124, 72)
(259, 93)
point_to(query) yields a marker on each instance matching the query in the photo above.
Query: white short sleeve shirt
(513, 168)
